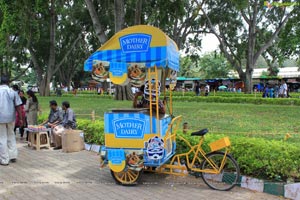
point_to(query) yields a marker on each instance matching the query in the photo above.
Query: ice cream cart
(138, 139)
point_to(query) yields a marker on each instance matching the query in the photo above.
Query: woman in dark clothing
(18, 124)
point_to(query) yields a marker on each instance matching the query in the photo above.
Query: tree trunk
(96, 22)
(119, 15)
(45, 89)
(38, 70)
(248, 81)
(122, 92)
(138, 12)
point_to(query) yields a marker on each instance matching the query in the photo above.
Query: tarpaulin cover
(137, 44)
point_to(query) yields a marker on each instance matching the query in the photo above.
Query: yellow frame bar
(196, 149)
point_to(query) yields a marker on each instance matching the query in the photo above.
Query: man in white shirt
(283, 89)
(10, 103)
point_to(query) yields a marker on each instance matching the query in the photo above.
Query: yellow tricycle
(218, 169)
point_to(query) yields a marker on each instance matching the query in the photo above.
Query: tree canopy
(52, 39)
(245, 30)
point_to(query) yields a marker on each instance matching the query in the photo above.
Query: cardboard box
(72, 141)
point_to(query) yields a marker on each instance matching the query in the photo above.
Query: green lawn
(268, 121)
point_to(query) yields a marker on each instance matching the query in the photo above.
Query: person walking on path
(31, 108)
(10, 103)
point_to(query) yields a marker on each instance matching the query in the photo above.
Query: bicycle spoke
(228, 176)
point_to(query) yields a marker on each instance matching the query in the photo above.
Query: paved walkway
(51, 175)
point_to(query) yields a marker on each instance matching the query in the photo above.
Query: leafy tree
(237, 25)
(287, 47)
(50, 32)
(180, 19)
(188, 68)
(13, 56)
(214, 65)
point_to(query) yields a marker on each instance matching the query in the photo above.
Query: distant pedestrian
(266, 92)
(206, 90)
(283, 89)
(271, 92)
(197, 89)
(276, 91)
(10, 103)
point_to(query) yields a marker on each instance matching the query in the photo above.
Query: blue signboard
(129, 128)
(135, 43)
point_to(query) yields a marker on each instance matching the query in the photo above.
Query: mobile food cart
(138, 139)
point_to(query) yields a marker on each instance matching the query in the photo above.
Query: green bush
(42, 117)
(267, 158)
(93, 131)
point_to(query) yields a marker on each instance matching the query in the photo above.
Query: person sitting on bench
(68, 122)
(55, 117)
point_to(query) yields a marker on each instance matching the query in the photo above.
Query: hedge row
(87, 95)
(217, 99)
(258, 157)
(222, 94)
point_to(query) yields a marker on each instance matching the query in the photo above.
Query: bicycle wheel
(127, 177)
(228, 176)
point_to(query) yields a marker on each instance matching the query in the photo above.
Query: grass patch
(266, 121)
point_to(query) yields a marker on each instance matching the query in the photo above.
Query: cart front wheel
(127, 177)
(228, 176)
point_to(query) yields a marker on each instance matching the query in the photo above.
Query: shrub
(93, 131)
(42, 117)
(267, 158)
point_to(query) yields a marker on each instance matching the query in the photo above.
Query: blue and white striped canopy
(138, 44)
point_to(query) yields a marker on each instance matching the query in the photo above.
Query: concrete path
(51, 175)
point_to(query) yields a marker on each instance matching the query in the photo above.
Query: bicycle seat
(200, 133)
